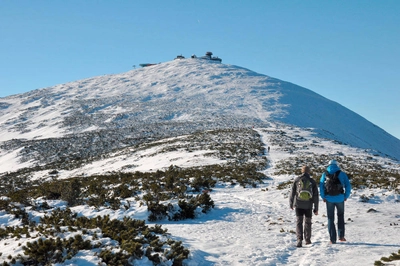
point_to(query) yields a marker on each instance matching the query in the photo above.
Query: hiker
(303, 197)
(335, 189)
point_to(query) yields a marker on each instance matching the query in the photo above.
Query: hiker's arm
(292, 195)
(321, 187)
(347, 186)
(315, 198)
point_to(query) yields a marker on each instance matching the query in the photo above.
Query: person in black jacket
(303, 198)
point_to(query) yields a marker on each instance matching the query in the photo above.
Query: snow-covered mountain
(91, 149)
(87, 118)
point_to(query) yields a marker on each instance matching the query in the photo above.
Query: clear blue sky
(347, 51)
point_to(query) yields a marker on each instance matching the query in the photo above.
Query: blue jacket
(344, 179)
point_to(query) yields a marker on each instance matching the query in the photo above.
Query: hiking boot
(330, 242)
(342, 239)
(299, 244)
(308, 242)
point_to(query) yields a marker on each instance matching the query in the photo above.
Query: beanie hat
(332, 162)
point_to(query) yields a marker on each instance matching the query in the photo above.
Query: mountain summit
(106, 113)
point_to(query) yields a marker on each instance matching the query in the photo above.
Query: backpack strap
(335, 174)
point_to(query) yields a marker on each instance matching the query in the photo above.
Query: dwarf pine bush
(134, 238)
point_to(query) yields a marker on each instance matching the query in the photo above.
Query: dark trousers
(303, 215)
(330, 209)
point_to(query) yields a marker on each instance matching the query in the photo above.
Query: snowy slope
(252, 226)
(134, 121)
(255, 226)
(172, 99)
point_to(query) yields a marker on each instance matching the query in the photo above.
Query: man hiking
(335, 188)
(303, 198)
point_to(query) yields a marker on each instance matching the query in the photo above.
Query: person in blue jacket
(335, 200)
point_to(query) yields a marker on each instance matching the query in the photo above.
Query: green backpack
(304, 189)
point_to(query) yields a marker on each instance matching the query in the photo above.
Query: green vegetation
(385, 260)
(133, 237)
(173, 194)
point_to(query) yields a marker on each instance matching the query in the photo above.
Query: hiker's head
(332, 166)
(306, 169)
(331, 162)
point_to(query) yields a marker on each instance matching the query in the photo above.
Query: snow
(10, 160)
(252, 226)
(248, 226)
(245, 229)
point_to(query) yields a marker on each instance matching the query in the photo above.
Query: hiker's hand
(316, 212)
(324, 200)
(291, 208)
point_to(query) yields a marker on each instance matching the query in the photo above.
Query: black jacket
(300, 204)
